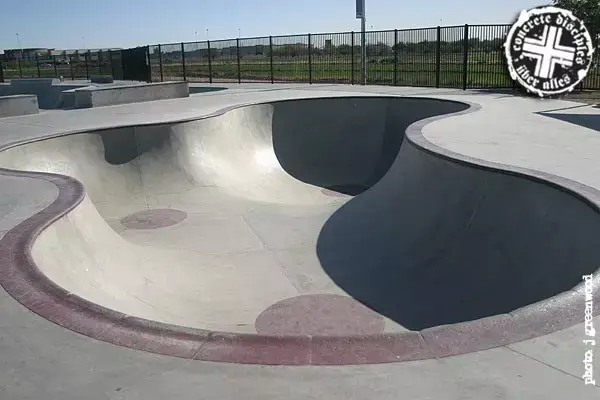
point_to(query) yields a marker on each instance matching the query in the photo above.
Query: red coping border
(24, 281)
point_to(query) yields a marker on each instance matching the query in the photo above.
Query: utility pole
(19, 44)
(362, 15)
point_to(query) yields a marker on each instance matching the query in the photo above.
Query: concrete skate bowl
(462, 254)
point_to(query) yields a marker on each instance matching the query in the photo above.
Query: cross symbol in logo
(548, 52)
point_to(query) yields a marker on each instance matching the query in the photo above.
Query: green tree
(344, 49)
(587, 10)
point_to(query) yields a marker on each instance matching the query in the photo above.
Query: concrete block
(5, 89)
(47, 90)
(33, 81)
(102, 79)
(31, 85)
(11, 106)
(66, 98)
(112, 95)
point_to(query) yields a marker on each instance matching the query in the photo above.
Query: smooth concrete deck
(546, 367)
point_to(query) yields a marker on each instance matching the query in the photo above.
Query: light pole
(362, 15)
(19, 44)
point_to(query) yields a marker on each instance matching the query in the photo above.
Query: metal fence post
(37, 62)
(363, 51)
(352, 56)
(55, 66)
(86, 58)
(309, 61)
(100, 61)
(1, 71)
(465, 57)
(438, 49)
(271, 58)
(148, 63)
(239, 71)
(71, 67)
(210, 80)
(183, 62)
(19, 65)
(160, 64)
(395, 57)
(112, 67)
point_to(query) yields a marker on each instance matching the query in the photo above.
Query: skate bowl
(180, 238)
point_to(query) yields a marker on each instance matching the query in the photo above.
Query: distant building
(59, 55)
(31, 53)
(80, 54)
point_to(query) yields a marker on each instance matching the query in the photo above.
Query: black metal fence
(78, 65)
(466, 56)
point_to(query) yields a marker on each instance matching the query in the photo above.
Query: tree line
(379, 49)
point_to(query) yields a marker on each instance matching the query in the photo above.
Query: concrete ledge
(114, 95)
(34, 81)
(32, 85)
(5, 89)
(102, 79)
(25, 104)
(47, 90)
(66, 98)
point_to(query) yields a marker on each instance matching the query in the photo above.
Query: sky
(72, 24)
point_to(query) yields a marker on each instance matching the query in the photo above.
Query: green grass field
(414, 72)
(49, 70)
(484, 70)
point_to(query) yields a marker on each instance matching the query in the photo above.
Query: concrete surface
(229, 178)
(122, 94)
(47, 90)
(198, 89)
(44, 360)
(53, 94)
(27, 83)
(102, 79)
(43, 88)
(66, 100)
(11, 106)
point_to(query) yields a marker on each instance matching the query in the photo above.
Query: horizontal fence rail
(79, 65)
(464, 57)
